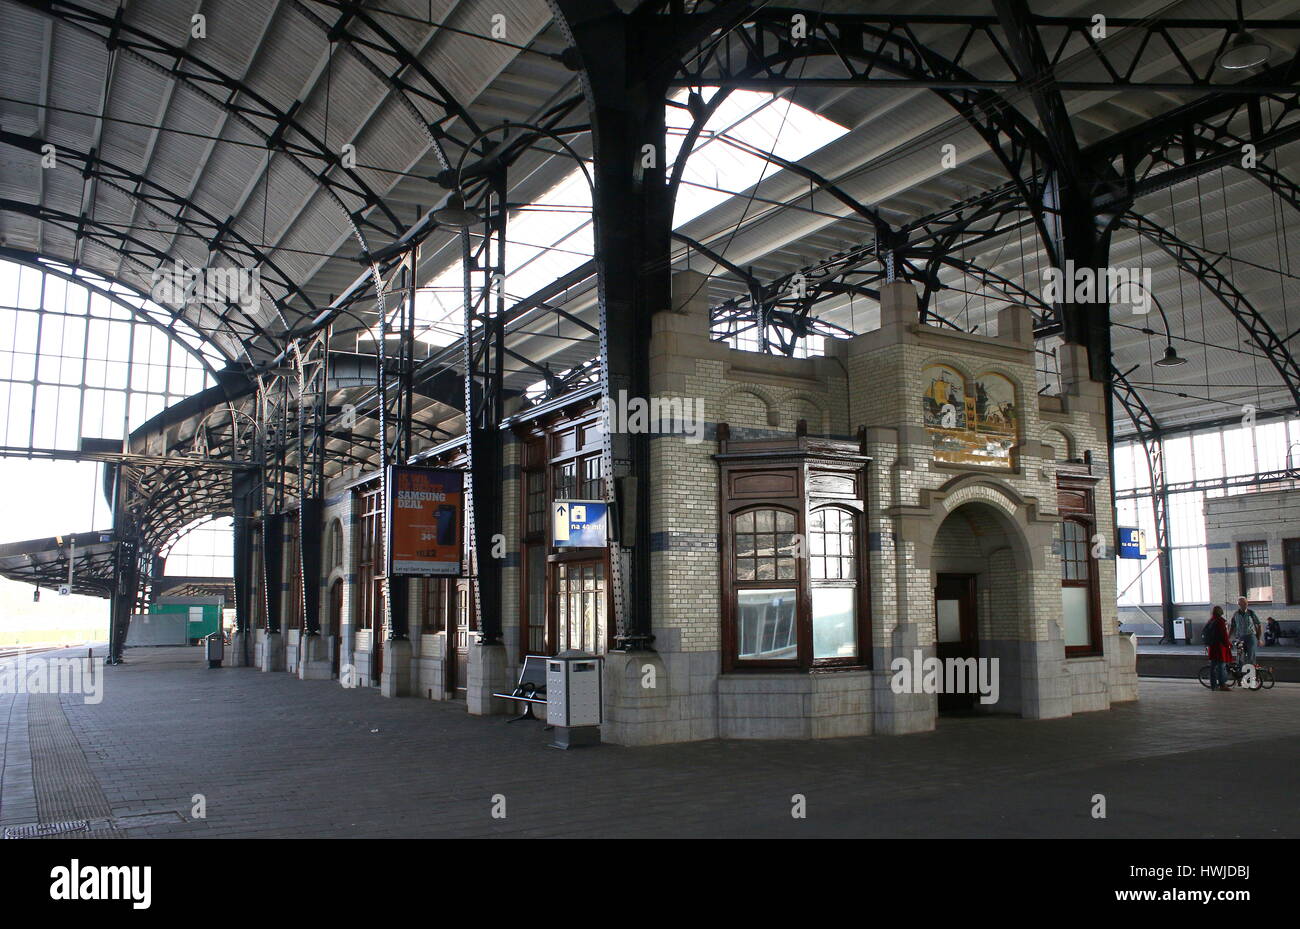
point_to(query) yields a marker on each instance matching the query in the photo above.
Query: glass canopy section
(554, 235)
(84, 357)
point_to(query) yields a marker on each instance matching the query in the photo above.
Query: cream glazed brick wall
(1025, 629)
(340, 504)
(1080, 419)
(756, 396)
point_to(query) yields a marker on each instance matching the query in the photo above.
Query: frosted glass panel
(834, 622)
(1074, 605)
(948, 616)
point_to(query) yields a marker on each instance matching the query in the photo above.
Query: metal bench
(1288, 632)
(530, 688)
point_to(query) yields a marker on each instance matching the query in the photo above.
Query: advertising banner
(425, 528)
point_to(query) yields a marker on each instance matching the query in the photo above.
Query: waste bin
(1180, 631)
(574, 698)
(214, 647)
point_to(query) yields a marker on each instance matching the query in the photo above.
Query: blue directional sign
(1132, 543)
(580, 523)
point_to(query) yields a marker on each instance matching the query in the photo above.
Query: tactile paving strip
(66, 790)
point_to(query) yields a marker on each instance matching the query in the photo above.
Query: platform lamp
(1289, 466)
(455, 214)
(1244, 51)
(1171, 358)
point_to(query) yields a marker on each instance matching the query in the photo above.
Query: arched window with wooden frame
(795, 578)
(336, 544)
(1080, 585)
(765, 580)
(369, 598)
(834, 567)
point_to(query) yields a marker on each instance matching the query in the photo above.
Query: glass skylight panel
(543, 244)
(766, 122)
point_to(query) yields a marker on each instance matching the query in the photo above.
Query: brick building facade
(907, 496)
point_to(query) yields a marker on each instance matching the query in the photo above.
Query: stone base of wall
(395, 679)
(1047, 688)
(272, 652)
(638, 708)
(291, 656)
(235, 654)
(819, 705)
(1121, 661)
(362, 661)
(315, 664)
(1089, 684)
(428, 669)
(487, 674)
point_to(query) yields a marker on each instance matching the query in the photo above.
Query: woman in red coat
(1219, 650)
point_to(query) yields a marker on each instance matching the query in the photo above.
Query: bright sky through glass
(544, 244)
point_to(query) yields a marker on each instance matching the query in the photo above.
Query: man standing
(1245, 626)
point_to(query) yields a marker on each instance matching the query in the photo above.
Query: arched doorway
(981, 593)
(336, 623)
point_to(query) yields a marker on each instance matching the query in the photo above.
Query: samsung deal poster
(424, 521)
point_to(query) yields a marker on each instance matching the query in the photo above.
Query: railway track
(14, 651)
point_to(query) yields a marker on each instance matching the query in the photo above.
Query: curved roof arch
(180, 147)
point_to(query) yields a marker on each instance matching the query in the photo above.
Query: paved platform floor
(275, 756)
(1263, 652)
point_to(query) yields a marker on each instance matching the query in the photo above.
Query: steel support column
(273, 568)
(484, 361)
(243, 493)
(1153, 447)
(627, 63)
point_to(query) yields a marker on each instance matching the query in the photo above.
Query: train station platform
(268, 755)
(1186, 661)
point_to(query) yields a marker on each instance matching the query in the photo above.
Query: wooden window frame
(435, 605)
(1242, 566)
(570, 436)
(1292, 591)
(369, 547)
(1076, 502)
(798, 475)
(336, 543)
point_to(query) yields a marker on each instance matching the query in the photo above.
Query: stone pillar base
(273, 652)
(235, 653)
(395, 679)
(1121, 655)
(895, 713)
(1045, 685)
(486, 676)
(637, 710)
(314, 659)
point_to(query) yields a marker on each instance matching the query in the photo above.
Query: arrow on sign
(562, 522)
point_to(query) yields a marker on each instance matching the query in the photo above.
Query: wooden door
(460, 633)
(336, 623)
(580, 595)
(955, 631)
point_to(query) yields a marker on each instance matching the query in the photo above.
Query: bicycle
(1263, 677)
